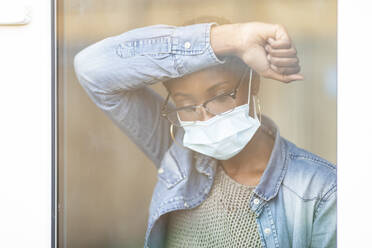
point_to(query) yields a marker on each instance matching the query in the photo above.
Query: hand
(266, 48)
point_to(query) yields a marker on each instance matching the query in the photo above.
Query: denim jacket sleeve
(324, 233)
(116, 71)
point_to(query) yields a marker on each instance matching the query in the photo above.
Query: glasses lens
(188, 114)
(221, 104)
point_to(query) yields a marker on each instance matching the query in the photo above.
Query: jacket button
(267, 231)
(256, 201)
(160, 170)
(186, 205)
(187, 45)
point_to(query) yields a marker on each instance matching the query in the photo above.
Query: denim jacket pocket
(169, 171)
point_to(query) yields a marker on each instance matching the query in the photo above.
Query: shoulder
(308, 176)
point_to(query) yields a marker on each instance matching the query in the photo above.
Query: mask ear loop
(259, 107)
(254, 97)
(249, 85)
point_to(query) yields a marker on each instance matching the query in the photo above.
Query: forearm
(145, 56)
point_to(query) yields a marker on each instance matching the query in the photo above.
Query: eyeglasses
(217, 105)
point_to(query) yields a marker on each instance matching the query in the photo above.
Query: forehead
(207, 79)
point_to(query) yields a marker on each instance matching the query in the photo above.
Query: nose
(204, 114)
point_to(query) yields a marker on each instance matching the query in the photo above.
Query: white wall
(25, 129)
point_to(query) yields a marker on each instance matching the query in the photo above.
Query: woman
(234, 181)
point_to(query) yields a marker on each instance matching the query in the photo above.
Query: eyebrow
(214, 87)
(210, 89)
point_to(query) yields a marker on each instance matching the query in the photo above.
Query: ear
(255, 87)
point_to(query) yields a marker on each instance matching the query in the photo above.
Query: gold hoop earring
(172, 135)
(259, 107)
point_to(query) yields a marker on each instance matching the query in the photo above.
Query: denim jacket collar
(276, 168)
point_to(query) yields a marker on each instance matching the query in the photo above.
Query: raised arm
(115, 71)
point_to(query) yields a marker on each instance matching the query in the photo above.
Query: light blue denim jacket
(295, 200)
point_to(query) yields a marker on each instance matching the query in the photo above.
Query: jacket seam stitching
(272, 225)
(329, 165)
(324, 199)
(302, 198)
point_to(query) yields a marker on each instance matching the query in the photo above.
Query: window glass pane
(105, 181)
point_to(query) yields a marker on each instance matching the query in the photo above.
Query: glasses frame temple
(164, 106)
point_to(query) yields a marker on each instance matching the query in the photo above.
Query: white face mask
(222, 136)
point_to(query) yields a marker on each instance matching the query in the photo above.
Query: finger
(283, 62)
(281, 38)
(286, 70)
(288, 53)
(284, 43)
(281, 77)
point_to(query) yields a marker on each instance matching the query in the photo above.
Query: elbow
(86, 65)
(78, 63)
(87, 62)
(82, 67)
